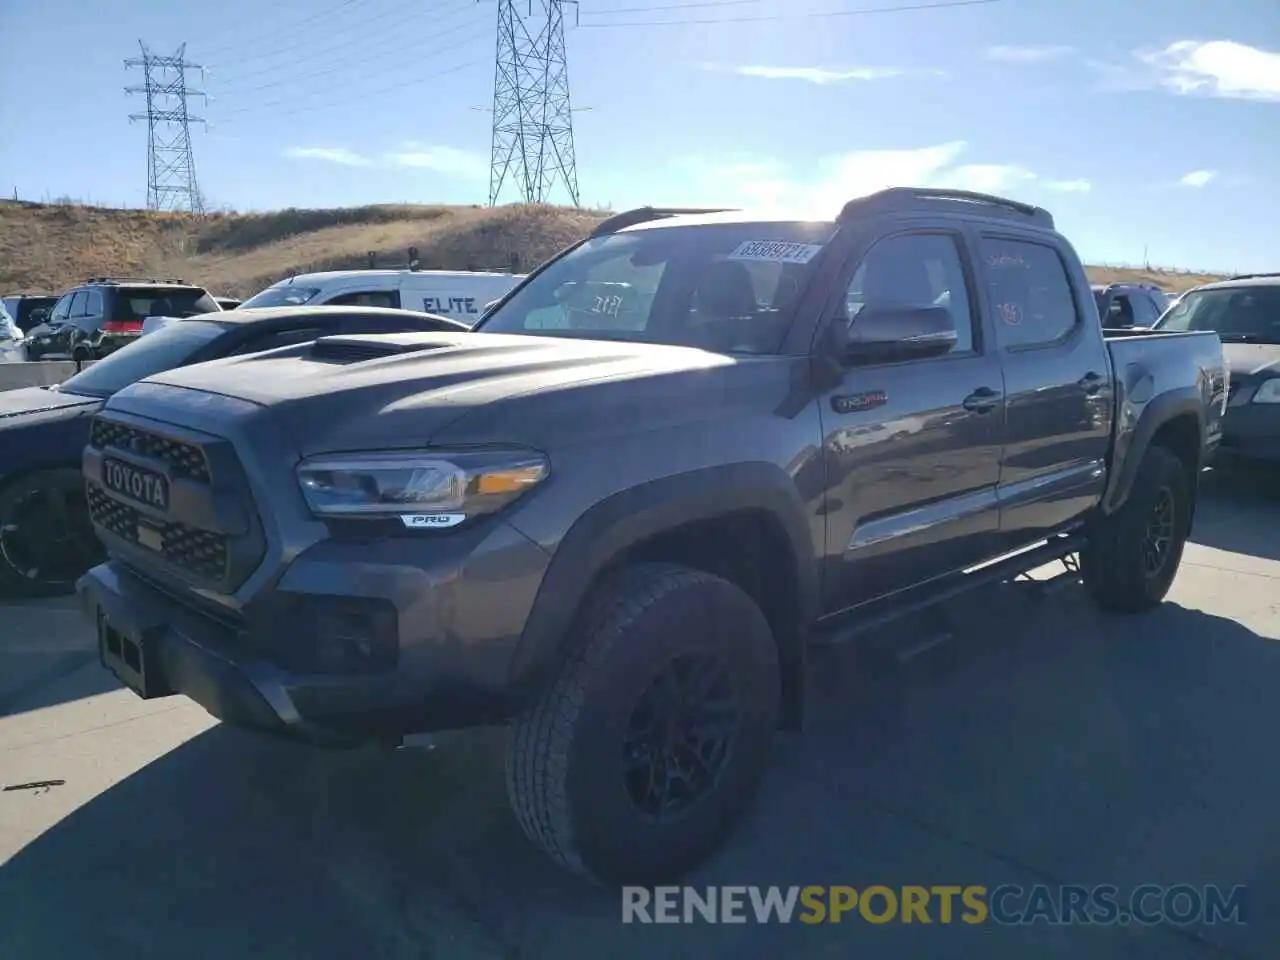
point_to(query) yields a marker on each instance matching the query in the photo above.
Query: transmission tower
(171, 170)
(532, 117)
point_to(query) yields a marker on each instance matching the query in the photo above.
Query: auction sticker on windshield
(776, 251)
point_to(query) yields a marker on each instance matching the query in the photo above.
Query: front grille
(200, 552)
(183, 459)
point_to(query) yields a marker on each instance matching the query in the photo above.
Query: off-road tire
(565, 757)
(15, 582)
(1111, 563)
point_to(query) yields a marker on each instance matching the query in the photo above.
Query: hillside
(48, 247)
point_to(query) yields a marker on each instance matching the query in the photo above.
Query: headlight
(424, 488)
(1268, 392)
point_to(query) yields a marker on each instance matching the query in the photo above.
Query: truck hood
(400, 390)
(1249, 361)
(38, 403)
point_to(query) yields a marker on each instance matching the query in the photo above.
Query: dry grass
(49, 247)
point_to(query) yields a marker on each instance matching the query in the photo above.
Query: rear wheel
(1130, 560)
(650, 745)
(46, 539)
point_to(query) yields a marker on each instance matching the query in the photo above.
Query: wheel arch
(680, 519)
(1173, 420)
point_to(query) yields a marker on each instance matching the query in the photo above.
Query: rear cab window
(1030, 292)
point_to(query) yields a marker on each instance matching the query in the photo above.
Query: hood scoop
(353, 348)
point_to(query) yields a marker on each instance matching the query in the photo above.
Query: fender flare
(1159, 411)
(606, 530)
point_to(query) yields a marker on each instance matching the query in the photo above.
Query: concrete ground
(1047, 744)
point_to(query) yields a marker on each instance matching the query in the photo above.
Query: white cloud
(818, 75)
(1032, 54)
(822, 76)
(346, 158)
(1198, 178)
(770, 186)
(447, 160)
(1068, 186)
(1216, 68)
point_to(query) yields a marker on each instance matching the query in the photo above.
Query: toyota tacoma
(615, 516)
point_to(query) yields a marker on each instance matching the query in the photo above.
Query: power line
(532, 140)
(941, 5)
(609, 11)
(348, 38)
(171, 169)
(362, 96)
(345, 67)
(237, 48)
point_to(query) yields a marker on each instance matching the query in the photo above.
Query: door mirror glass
(881, 334)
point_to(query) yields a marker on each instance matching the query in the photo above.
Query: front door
(912, 448)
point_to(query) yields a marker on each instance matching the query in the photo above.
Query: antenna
(532, 116)
(171, 169)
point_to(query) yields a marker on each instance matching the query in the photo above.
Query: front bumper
(1251, 432)
(439, 641)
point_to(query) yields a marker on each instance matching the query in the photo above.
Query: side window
(1029, 291)
(372, 298)
(76, 307)
(93, 303)
(280, 338)
(914, 270)
(61, 310)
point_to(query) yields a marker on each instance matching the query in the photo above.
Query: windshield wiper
(1246, 338)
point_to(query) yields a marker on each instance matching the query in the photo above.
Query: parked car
(1123, 305)
(106, 313)
(29, 310)
(45, 537)
(617, 513)
(458, 294)
(1245, 314)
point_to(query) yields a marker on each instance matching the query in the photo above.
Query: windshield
(1239, 314)
(286, 295)
(723, 287)
(168, 347)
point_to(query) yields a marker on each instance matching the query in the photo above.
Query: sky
(1149, 128)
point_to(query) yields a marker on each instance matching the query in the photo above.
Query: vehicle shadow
(1046, 744)
(1240, 512)
(47, 656)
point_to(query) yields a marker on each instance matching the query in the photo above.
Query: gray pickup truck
(616, 516)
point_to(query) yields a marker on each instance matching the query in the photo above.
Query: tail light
(122, 326)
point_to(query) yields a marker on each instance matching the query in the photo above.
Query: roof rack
(903, 199)
(136, 280)
(629, 218)
(1253, 276)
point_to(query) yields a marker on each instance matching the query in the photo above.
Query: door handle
(1091, 382)
(982, 400)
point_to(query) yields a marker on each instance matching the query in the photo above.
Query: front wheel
(650, 745)
(1131, 557)
(46, 538)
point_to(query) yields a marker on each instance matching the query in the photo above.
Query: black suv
(106, 313)
(1124, 305)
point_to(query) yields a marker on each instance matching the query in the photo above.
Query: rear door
(912, 449)
(1057, 381)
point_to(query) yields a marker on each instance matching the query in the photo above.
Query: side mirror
(880, 334)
